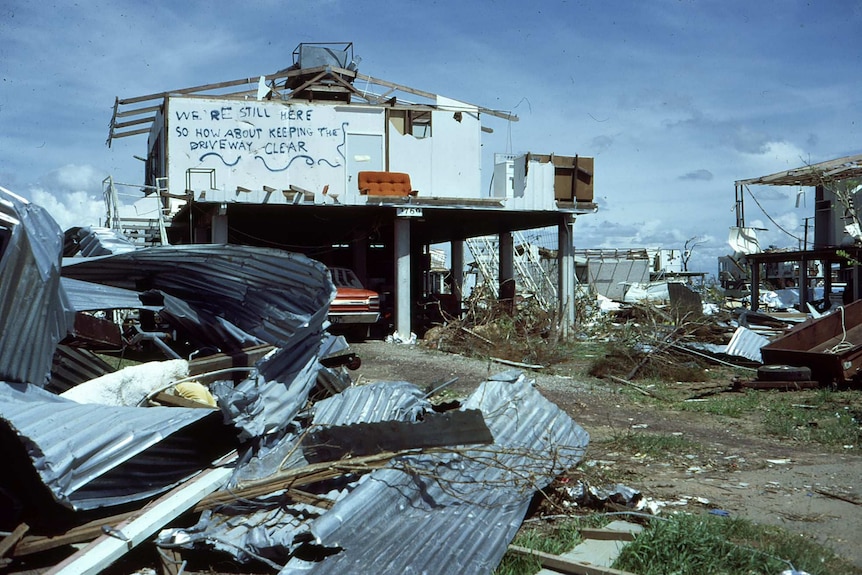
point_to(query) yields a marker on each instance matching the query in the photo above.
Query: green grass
(825, 417)
(727, 404)
(653, 444)
(695, 544)
(553, 538)
(685, 544)
(827, 424)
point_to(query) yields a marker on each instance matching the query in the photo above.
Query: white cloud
(71, 194)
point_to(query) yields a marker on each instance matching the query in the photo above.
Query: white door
(364, 153)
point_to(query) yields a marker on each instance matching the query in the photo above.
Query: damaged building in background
(826, 262)
(240, 411)
(355, 171)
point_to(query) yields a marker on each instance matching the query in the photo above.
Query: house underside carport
(385, 241)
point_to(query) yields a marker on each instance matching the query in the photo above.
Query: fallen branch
(516, 363)
(634, 385)
(837, 496)
(476, 335)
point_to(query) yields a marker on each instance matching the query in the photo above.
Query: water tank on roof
(316, 55)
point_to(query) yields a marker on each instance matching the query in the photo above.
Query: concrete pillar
(507, 271)
(566, 273)
(219, 228)
(359, 256)
(457, 249)
(402, 277)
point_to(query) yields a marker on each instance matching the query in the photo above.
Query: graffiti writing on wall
(272, 134)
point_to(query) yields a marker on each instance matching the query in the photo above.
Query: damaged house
(240, 411)
(356, 171)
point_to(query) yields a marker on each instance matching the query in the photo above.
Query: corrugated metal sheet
(381, 401)
(31, 326)
(452, 513)
(96, 241)
(436, 513)
(90, 456)
(72, 365)
(746, 343)
(268, 293)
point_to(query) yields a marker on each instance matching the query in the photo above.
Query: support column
(755, 285)
(566, 274)
(856, 286)
(402, 277)
(359, 256)
(507, 271)
(219, 227)
(803, 285)
(457, 249)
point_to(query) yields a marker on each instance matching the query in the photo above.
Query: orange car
(353, 304)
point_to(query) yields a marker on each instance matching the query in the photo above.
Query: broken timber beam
(116, 541)
(10, 540)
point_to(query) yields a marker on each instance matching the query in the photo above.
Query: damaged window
(416, 123)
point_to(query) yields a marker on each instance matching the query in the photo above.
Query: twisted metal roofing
(90, 456)
(33, 318)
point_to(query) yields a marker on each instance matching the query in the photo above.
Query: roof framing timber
(240, 88)
(844, 168)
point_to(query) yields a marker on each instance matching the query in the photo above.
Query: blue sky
(675, 99)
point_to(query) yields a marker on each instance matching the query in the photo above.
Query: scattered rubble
(293, 459)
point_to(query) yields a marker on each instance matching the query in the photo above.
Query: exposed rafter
(812, 175)
(306, 82)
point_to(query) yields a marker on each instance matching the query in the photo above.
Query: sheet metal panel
(453, 513)
(746, 343)
(442, 513)
(270, 294)
(380, 401)
(32, 312)
(91, 456)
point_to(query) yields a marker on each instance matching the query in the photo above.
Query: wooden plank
(10, 540)
(118, 540)
(247, 357)
(563, 565)
(435, 430)
(171, 561)
(607, 534)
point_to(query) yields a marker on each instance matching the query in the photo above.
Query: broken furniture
(830, 345)
(385, 184)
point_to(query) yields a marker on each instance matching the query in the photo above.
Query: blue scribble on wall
(217, 155)
(308, 160)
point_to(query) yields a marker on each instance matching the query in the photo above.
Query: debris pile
(240, 416)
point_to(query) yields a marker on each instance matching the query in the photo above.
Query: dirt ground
(734, 467)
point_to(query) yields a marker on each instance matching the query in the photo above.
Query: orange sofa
(385, 184)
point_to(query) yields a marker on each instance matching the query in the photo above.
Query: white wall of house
(249, 151)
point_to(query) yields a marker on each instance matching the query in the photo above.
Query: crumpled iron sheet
(91, 456)
(262, 529)
(268, 293)
(380, 401)
(31, 326)
(449, 512)
(456, 512)
(96, 241)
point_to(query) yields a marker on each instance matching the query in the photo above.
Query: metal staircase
(142, 231)
(531, 277)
